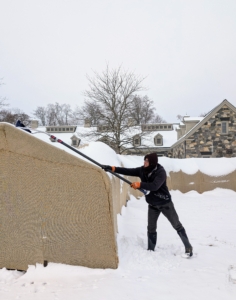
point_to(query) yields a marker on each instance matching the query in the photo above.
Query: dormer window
(137, 141)
(158, 140)
(75, 141)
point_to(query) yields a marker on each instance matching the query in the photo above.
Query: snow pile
(209, 219)
(103, 154)
(209, 166)
(212, 166)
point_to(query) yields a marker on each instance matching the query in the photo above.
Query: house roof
(168, 137)
(66, 136)
(147, 138)
(204, 120)
(198, 119)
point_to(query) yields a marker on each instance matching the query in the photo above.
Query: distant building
(211, 136)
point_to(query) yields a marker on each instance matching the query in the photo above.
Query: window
(74, 143)
(71, 129)
(67, 129)
(158, 140)
(165, 126)
(48, 129)
(161, 127)
(224, 127)
(63, 129)
(136, 141)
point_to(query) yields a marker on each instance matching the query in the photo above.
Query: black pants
(168, 211)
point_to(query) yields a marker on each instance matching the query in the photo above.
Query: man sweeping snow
(153, 179)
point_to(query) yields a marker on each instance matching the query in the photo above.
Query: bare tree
(112, 93)
(41, 113)
(91, 110)
(158, 119)
(12, 115)
(51, 115)
(144, 112)
(180, 117)
(77, 116)
(143, 109)
(54, 114)
(61, 113)
(66, 109)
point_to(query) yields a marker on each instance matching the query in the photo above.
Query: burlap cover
(200, 182)
(54, 207)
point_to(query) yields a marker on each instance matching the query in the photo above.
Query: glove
(108, 168)
(136, 185)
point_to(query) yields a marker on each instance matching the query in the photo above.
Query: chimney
(131, 122)
(34, 124)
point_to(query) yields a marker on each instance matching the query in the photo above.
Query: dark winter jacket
(154, 182)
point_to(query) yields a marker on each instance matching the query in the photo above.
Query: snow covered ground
(209, 220)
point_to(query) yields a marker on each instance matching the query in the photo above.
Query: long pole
(92, 160)
(145, 192)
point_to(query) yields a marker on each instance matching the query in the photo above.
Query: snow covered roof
(186, 119)
(103, 154)
(169, 137)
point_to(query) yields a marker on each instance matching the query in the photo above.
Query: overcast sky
(186, 48)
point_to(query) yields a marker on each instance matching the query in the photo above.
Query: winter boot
(152, 239)
(187, 245)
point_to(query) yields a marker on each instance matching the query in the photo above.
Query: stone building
(213, 136)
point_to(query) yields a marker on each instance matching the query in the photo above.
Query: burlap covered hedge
(54, 207)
